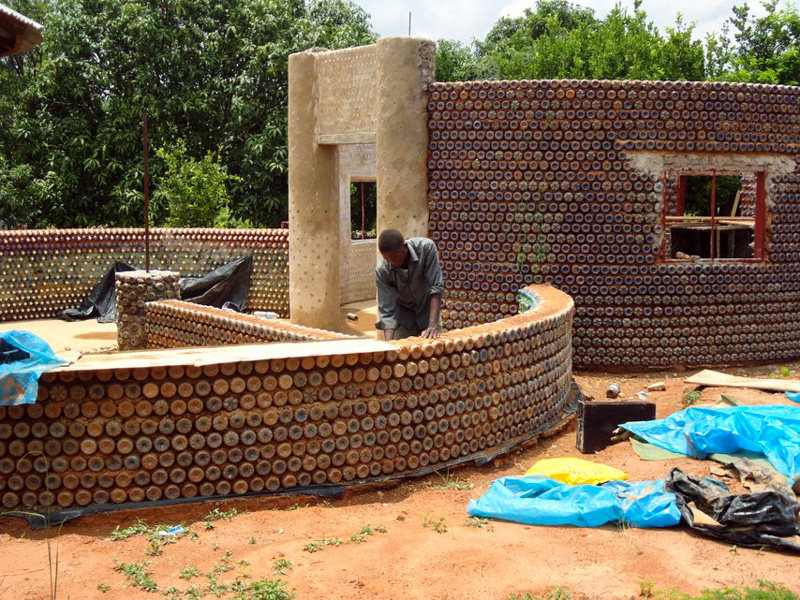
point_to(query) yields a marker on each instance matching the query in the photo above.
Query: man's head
(392, 246)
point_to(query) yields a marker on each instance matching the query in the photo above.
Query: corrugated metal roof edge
(22, 18)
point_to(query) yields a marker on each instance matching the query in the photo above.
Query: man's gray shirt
(404, 294)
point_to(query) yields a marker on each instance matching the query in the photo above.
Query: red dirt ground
(410, 560)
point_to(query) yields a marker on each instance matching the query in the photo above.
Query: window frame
(758, 219)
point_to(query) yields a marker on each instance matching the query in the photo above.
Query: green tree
(769, 46)
(211, 72)
(557, 39)
(456, 62)
(194, 191)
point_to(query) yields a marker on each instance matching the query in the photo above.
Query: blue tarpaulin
(538, 500)
(698, 431)
(793, 396)
(23, 357)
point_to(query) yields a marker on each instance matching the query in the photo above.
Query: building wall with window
(583, 184)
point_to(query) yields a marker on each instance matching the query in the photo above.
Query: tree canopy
(212, 76)
(558, 39)
(212, 73)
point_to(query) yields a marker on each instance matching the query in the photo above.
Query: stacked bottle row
(176, 324)
(46, 271)
(127, 435)
(134, 289)
(537, 182)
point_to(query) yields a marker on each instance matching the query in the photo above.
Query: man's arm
(387, 306)
(433, 324)
(433, 276)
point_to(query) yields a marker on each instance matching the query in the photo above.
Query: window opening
(720, 217)
(363, 209)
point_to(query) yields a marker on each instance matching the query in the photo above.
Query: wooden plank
(736, 203)
(224, 354)
(717, 379)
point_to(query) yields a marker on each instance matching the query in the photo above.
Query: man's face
(396, 257)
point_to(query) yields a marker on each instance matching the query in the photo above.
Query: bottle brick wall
(45, 271)
(176, 324)
(110, 437)
(536, 181)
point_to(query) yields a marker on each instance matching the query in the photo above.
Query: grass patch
(765, 590)
(312, 547)
(221, 515)
(138, 575)
(556, 593)
(782, 372)
(158, 536)
(479, 523)
(139, 528)
(439, 526)
(690, 398)
(281, 566)
(449, 482)
(267, 589)
(188, 573)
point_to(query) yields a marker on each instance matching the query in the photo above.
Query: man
(409, 284)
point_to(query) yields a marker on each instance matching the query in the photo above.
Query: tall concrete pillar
(405, 68)
(314, 290)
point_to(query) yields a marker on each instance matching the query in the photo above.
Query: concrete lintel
(337, 139)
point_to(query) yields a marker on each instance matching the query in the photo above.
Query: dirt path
(409, 560)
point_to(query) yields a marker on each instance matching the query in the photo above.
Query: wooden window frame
(758, 220)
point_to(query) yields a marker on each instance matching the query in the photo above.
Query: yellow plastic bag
(575, 471)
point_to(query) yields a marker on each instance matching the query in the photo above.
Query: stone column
(314, 249)
(134, 289)
(405, 68)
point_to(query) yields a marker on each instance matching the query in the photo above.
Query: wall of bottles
(533, 181)
(46, 271)
(116, 436)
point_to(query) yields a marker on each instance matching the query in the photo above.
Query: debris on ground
(754, 520)
(23, 357)
(717, 379)
(540, 500)
(575, 471)
(700, 431)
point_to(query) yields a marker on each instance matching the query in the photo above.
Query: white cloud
(465, 20)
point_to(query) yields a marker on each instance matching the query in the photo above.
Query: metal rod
(146, 195)
(362, 210)
(409, 23)
(713, 212)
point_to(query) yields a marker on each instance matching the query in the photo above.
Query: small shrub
(438, 526)
(138, 575)
(450, 482)
(188, 573)
(690, 398)
(478, 522)
(281, 566)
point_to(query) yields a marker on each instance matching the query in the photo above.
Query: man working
(409, 286)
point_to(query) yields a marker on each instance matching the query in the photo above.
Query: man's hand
(430, 332)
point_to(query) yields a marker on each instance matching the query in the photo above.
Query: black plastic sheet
(101, 302)
(765, 519)
(229, 283)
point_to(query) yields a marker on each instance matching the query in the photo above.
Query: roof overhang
(18, 33)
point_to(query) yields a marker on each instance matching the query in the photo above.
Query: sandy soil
(65, 337)
(410, 560)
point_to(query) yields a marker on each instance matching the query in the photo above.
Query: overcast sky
(467, 19)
